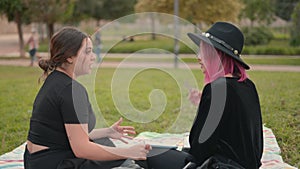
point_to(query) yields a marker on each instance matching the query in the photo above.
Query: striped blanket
(271, 156)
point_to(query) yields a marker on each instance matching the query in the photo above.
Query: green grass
(279, 95)
(262, 60)
(277, 46)
(252, 60)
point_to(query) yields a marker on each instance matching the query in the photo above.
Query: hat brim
(197, 38)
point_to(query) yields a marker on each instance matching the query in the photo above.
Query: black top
(230, 123)
(61, 100)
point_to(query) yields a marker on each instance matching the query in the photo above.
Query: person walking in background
(98, 46)
(61, 133)
(33, 45)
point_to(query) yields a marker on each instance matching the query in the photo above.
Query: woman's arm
(116, 131)
(194, 96)
(83, 148)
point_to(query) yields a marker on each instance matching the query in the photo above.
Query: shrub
(295, 35)
(257, 35)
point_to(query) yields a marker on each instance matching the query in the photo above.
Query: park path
(281, 68)
(9, 47)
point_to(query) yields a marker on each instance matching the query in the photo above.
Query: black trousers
(167, 159)
(52, 159)
(158, 158)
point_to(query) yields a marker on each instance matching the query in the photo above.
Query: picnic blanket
(271, 156)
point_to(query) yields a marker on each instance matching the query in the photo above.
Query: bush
(271, 50)
(257, 35)
(295, 35)
(295, 41)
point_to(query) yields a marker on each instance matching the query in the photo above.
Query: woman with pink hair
(228, 125)
(227, 130)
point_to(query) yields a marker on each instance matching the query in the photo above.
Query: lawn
(277, 46)
(279, 95)
(251, 60)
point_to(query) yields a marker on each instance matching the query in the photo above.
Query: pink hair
(218, 64)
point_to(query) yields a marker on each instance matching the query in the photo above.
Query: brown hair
(63, 44)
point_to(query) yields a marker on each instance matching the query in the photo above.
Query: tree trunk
(98, 23)
(153, 36)
(50, 30)
(20, 34)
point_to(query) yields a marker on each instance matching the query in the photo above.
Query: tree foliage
(104, 9)
(258, 10)
(11, 7)
(196, 11)
(284, 8)
(15, 11)
(50, 12)
(208, 11)
(295, 34)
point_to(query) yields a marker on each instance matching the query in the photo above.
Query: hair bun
(44, 64)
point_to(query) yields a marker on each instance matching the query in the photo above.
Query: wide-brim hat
(225, 37)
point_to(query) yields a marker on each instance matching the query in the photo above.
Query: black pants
(52, 159)
(167, 158)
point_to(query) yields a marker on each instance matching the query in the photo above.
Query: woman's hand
(139, 151)
(120, 132)
(194, 96)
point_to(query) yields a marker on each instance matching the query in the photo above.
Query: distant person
(33, 45)
(98, 45)
(227, 130)
(62, 133)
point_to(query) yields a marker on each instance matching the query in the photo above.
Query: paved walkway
(25, 62)
(9, 47)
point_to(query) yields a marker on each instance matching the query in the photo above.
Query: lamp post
(176, 33)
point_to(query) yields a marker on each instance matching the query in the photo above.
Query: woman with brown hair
(62, 123)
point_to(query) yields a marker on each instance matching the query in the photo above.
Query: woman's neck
(229, 75)
(67, 72)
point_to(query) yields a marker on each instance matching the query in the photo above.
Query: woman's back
(238, 134)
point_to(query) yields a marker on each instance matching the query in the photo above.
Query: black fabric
(225, 37)
(159, 158)
(220, 162)
(60, 101)
(64, 159)
(238, 133)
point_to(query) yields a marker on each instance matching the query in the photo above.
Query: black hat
(225, 37)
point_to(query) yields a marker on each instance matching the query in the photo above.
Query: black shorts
(32, 52)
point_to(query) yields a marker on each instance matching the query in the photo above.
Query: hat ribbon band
(221, 42)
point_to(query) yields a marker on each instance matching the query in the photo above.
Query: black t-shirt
(61, 100)
(230, 123)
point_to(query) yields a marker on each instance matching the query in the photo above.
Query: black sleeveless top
(61, 100)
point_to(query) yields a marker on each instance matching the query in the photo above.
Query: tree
(258, 10)
(295, 34)
(196, 11)
(104, 9)
(50, 12)
(86, 9)
(16, 12)
(208, 11)
(150, 6)
(284, 8)
(118, 8)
